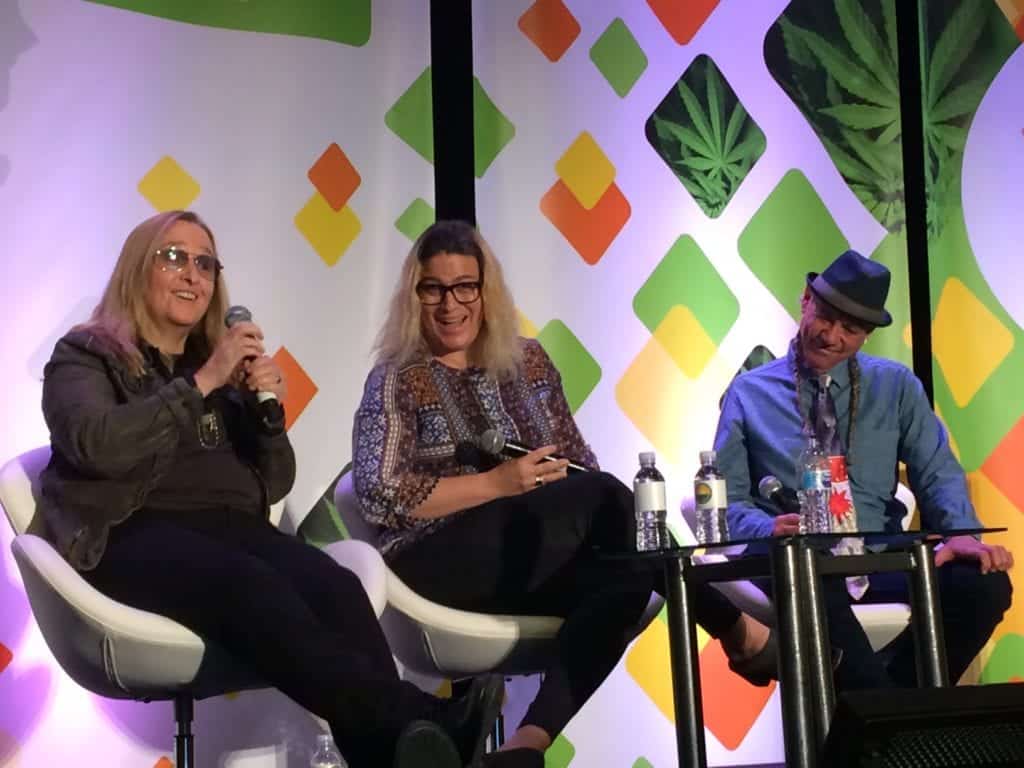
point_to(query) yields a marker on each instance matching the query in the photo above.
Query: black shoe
(761, 668)
(468, 719)
(514, 758)
(424, 744)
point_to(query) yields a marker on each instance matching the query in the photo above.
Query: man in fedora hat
(868, 414)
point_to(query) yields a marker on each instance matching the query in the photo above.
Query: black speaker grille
(950, 746)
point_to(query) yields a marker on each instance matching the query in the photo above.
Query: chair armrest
(94, 638)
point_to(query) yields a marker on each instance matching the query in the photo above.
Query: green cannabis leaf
(848, 88)
(705, 136)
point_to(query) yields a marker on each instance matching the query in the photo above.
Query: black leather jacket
(114, 435)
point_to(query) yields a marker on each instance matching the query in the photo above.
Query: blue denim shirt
(760, 433)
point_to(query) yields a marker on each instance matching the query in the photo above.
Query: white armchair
(882, 622)
(434, 640)
(121, 652)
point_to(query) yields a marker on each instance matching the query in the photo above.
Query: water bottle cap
(707, 457)
(647, 458)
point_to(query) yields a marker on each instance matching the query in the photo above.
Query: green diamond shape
(560, 753)
(411, 118)
(642, 762)
(1006, 661)
(705, 136)
(580, 372)
(791, 234)
(618, 57)
(340, 21)
(491, 130)
(686, 277)
(416, 218)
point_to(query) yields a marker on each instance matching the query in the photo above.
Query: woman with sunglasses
(472, 532)
(159, 489)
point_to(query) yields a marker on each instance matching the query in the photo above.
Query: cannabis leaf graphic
(847, 85)
(711, 143)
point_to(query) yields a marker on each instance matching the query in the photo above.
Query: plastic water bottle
(326, 756)
(649, 506)
(709, 496)
(815, 488)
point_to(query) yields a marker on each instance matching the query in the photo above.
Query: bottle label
(817, 479)
(710, 494)
(840, 503)
(649, 497)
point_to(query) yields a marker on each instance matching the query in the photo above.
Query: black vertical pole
(451, 58)
(908, 33)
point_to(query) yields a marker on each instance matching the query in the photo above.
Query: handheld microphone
(772, 489)
(271, 412)
(493, 442)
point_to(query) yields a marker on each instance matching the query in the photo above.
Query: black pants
(972, 605)
(533, 554)
(281, 606)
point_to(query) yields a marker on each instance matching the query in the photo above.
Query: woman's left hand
(262, 374)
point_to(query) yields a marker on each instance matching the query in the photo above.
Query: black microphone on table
(493, 442)
(772, 489)
(270, 410)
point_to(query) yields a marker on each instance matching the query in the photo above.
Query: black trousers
(534, 554)
(286, 609)
(972, 605)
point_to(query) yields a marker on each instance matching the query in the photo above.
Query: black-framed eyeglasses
(177, 258)
(432, 294)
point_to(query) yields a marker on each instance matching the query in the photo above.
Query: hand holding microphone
(493, 442)
(239, 357)
(528, 469)
(772, 489)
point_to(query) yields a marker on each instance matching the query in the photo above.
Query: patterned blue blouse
(416, 424)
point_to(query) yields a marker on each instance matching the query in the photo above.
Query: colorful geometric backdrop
(657, 178)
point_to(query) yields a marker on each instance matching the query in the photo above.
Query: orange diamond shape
(301, 388)
(550, 26)
(163, 762)
(5, 656)
(589, 232)
(682, 19)
(731, 704)
(334, 177)
(1002, 466)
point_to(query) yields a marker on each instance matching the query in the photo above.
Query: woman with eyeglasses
(159, 489)
(503, 536)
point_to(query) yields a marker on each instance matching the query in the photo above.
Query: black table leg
(797, 712)
(820, 648)
(926, 615)
(682, 634)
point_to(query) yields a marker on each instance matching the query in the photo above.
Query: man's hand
(990, 557)
(786, 525)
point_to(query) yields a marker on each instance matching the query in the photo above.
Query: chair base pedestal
(184, 741)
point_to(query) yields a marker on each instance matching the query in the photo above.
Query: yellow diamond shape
(586, 170)
(652, 394)
(647, 662)
(167, 186)
(685, 339)
(330, 232)
(968, 341)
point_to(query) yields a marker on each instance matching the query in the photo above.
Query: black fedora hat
(855, 285)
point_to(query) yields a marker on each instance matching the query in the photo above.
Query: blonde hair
(122, 318)
(496, 348)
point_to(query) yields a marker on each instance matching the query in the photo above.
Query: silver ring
(538, 481)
